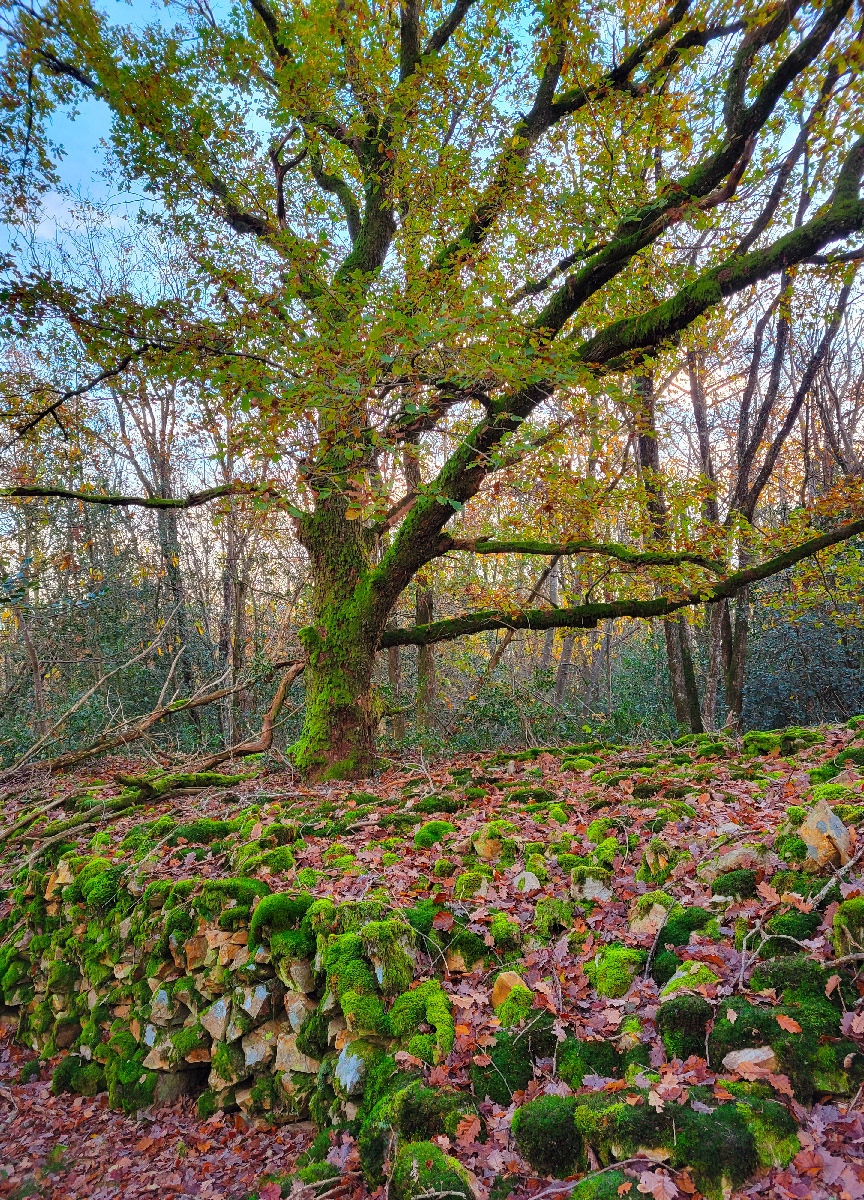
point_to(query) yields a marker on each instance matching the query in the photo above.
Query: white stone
(255, 1000)
(298, 1006)
(163, 1008)
(289, 1058)
(215, 1019)
(259, 1046)
(651, 921)
(590, 889)
(760, 1056)
(350, 1071)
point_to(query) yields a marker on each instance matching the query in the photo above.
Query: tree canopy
(413, 251)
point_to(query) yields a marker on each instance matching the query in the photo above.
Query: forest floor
(680, 821)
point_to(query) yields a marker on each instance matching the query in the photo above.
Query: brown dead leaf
(787, 1023)
(780, 1083)
(467, 1130)
(660, 1186)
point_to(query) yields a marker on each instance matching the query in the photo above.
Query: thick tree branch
(338, 187)
(586, 616)
(409, 38)
(844, 216)
(640, 228)
(193, 500)
(635, 558)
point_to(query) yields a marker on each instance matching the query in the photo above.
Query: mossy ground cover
(295, 957)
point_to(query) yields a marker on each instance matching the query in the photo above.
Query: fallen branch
(86, 696)
(815, 900)
(242, 749)
(193, 500)
(158, 787)
(847, 958)
(102, 818)
(557, 1189)
(29, 817)
(111, 740)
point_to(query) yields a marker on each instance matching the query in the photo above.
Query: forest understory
(588, 971)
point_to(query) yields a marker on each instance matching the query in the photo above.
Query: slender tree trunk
(691, 688)
(35, 670)
(169, 545)
(549, 637)
(394, 672)
(425, 604)
(676, 671)
(736, 669)
(714, 666)
(676, 630)
(561, 675)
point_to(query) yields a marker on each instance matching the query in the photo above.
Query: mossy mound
(812, 1055)
(720, 1145)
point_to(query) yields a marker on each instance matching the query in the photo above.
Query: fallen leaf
(767, 892)
(468, 1129)
(656, 1184)
(787, 1023)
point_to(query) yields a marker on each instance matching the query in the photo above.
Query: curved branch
(586, 616)
(265, 739)
(51, 409)
(338, 187)
(636, 558)
(193, 500)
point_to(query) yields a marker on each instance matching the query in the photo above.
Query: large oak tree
(412, 236)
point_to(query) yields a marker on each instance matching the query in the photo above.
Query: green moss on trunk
(342, 712)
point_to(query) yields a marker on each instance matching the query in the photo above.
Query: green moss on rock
(547, 1137)
(740, 884)
(849, 926)
(614, 968)
(423, 1169)
(431, 833)
(426, 1004)
(682, 1022)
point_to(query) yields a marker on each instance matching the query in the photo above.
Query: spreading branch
(193, 500)
(586, 616)
(635, 558)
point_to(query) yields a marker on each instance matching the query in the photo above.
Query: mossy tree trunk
(342, 712)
